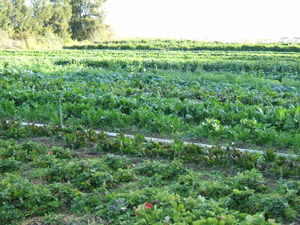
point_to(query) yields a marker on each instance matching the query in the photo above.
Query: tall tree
(60, 20)
(21, 19)
(42, 13)
(52, 16)
(15, 18)
(6, 13)
(87, 18)
(80, 19)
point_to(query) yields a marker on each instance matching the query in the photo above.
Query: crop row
(189, 45)
(271, 66)
(218, 55)
(40, 180)
(169, 94)
(241, 109)
(75, 138)
(274, 70)
(163, 55)
(238, 98)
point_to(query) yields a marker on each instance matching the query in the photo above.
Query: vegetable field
(136, 44)
(225, 95)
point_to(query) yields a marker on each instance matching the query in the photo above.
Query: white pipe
(168, 141)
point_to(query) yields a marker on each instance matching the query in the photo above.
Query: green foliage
(19, 196)
(249, 98)
(41, 19)
(21, 20)
(251, 179)
(6, 13)
(250, 107)
(160, 44)
(42, 13)
(9, 165)
(87, 18)
(61, 18)
(164, 171)
(60, 153)
(116, 189)
(280, 166)
(116, 162)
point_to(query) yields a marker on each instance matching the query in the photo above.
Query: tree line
(76, 19)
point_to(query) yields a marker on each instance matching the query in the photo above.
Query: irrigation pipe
(168, 141)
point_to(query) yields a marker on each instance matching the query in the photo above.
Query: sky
(223, 20)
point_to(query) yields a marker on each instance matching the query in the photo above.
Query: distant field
(232, 95)
(137, 44)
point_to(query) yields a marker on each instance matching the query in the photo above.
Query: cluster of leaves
(115, 189)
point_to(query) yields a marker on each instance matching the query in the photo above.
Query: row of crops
(44, 182)
(136, 94)
(136, 44)
(276, 66)
(230, 97)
